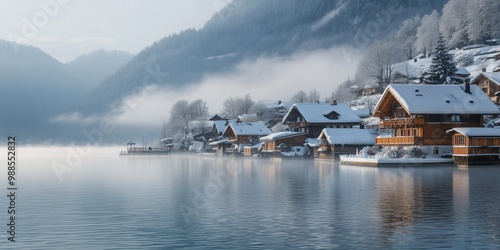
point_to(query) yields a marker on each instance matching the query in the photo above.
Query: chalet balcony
(402, 122)
(400, 140)
(298, 124)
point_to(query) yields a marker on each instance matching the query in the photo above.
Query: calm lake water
(104, 201)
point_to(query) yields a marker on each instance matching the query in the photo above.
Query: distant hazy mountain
(34, 86)
(246, 29)
(93, 68)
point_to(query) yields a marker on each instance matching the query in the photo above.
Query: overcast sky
(68, 28)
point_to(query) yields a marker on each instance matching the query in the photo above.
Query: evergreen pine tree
(442, 65)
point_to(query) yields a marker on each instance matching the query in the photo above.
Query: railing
(148, 149)
(298, 124)
(400, 140)
(402, 122)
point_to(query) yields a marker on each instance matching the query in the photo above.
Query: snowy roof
(248, 128)
(312, 142)
(462, 71)
(215, 143)
(412, 69)
(217, 117)
(371, 85)
(439, 99)
(347, 136)
(494, 76)
(363, 112)
(318, 112)
(280, 135)
(220, 125)
(476, 132)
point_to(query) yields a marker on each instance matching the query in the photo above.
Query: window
(455, 118)
(436, 150)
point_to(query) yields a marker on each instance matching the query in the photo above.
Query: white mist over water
(266, 78)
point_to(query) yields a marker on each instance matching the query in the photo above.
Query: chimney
(334, 102)
(484, 69)
(415, 59)
(467, 86)
(279, 102)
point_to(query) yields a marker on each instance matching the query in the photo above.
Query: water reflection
(247, 203)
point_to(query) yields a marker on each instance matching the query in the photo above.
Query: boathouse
(312, 118)
(475, 145)
(281, 142)
(337, 141)
(244, 134)
(420, 115)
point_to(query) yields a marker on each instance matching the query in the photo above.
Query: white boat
(377, 161)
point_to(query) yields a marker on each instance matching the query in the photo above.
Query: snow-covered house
(217, 117)
(312, 118)
(421, 114)
(245, 134)
(370, 88)
(343, 141)
(277, 143)
(489, 82)
(475, 145)
(462, 72)
(219, 127)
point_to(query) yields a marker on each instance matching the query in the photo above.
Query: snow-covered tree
(244, 104)
(454, 21)
(377, 62)
(234, 106)
(229, 107)
(405, 36)
(313, 96)
(299, 97)
(484, 20)
(442, 67)
(198, 109)
(180, 113)
(427, 33)
(342, 92)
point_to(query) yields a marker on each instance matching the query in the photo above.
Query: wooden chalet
(421, 114)
(276, 143)
(218, 128)
(244, 134)
(337, 141)
(462, 73)
(312, 118)
(370, 88)
(475, 145)
(489, 82)
(217, 117)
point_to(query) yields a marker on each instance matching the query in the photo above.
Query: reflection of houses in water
(400, 198)
(484, 203)
(461, 192)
